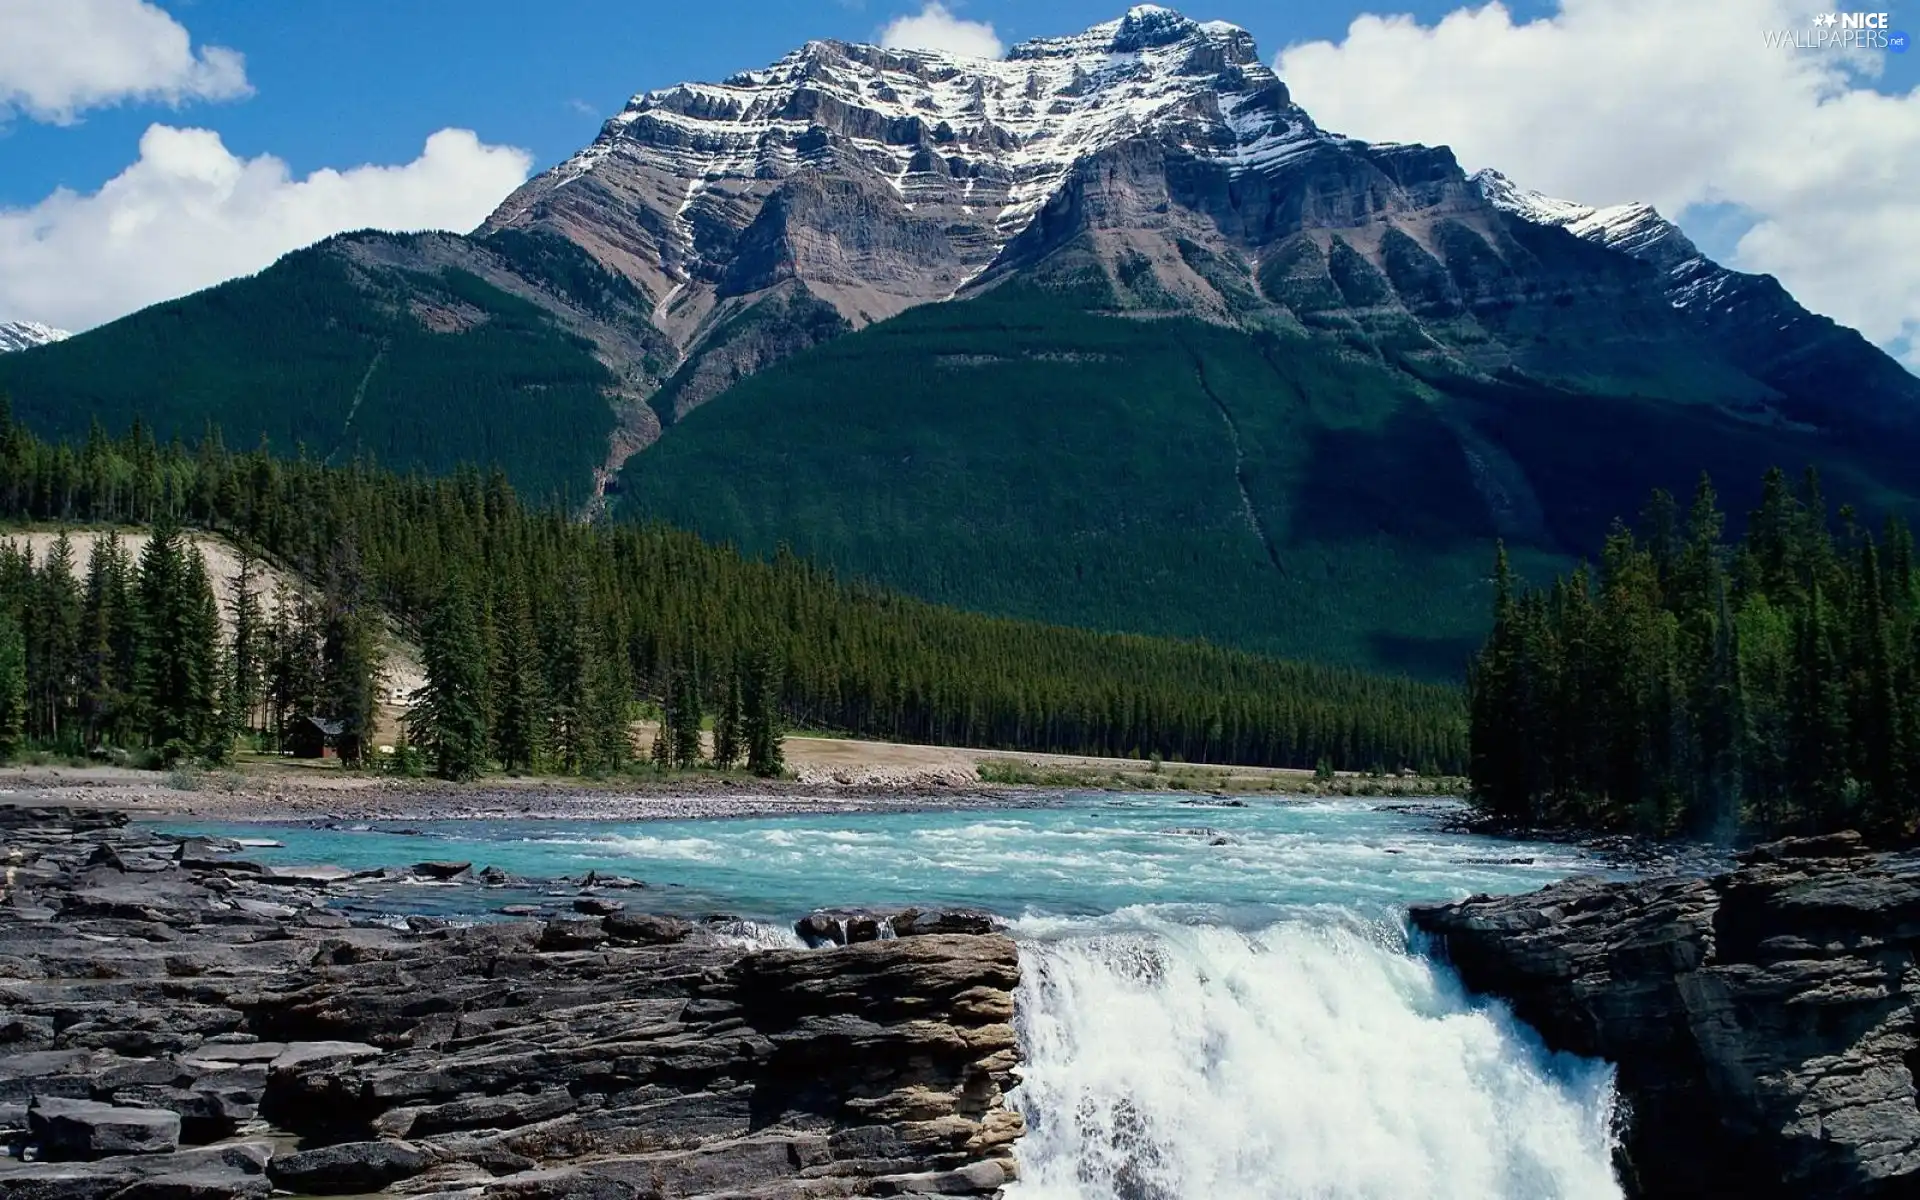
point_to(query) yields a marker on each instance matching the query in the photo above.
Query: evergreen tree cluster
(129, 651)
(1690, 685)
(542, 636)
(120, 651)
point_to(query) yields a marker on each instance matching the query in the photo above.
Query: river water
(1218, 1002)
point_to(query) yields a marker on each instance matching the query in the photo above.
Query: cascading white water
(1312, 1058)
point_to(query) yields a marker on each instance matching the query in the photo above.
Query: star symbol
(1826, 18)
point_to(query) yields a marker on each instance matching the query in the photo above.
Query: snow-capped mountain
(887, 178)
(25, 335)
(1151, 165)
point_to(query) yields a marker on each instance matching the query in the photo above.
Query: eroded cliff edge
(1762, 1020)
(179, 1022)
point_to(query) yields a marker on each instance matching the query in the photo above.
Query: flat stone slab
(298, 1055)
(89, 1129)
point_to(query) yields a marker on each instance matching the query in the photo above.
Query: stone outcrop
(177, 1021)
(1763, 1021)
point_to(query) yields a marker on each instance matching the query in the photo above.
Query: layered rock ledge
(1763, 1021)
(179, 1022)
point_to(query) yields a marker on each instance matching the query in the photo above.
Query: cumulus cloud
(1676, 104)
(58, 57)
(936, 28)
(189, 213)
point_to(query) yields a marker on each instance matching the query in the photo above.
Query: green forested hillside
(1264, 490)
(571, 615)
(343, 360)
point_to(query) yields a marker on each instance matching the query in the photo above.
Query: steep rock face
(244, 1035)
(1763, 1021)
(25, 335)
(1821, 372)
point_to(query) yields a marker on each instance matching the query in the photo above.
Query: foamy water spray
(1305, 1060)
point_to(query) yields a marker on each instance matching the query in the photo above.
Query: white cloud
(189, 214)
(1675, 104)
(58, 57)
(936, 28)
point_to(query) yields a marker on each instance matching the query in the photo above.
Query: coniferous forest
(542, 636)
(1692, 685)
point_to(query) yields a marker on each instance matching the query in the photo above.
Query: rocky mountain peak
(25, 335)
(964, 152)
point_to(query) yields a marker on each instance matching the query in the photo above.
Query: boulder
(348, 1168)
(85, 1129)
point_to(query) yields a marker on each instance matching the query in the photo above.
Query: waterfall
(1312, 1058)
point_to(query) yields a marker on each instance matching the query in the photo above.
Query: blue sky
(1806, 166)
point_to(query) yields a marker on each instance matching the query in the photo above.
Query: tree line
(550, 628)
(1696, 685)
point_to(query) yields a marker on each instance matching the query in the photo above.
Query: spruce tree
(569, 666)
(608, 727)
(448, 717)
(246, 648)
(210, 730)
(727, 725)
(350, 657)
(54, 646)
(686, 721)
(13, 688)
(108, 636)
(764, 733)
(178, 655)
(518, 699)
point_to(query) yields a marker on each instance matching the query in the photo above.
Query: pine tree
(761, 722)
(108, 636)
(609, 729)
(1817, 716)
(1497, 691)
(686, 720)
(178, 654)
(210, 730)
(1876, 729)
(54, 647)
(246, 648)
(448, 717)
(569, 665)
(727, 725)
(350, 659)
(13, 688)
(518, 702)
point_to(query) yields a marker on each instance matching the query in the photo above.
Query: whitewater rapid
(1180, 1062)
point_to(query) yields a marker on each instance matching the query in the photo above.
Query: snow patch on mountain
(1011, 129)
(25, 335)
(1695, 282)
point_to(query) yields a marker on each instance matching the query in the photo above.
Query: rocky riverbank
(178, 1022)
(1763, 1020)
